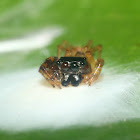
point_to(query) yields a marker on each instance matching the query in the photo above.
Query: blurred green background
(114, 24)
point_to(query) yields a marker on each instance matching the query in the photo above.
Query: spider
(77, 66)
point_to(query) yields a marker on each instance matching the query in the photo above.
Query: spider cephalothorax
(72, 69)
(77, 66)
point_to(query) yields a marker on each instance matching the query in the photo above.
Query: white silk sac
(27, 101)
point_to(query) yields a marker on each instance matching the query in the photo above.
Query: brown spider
(77, 66)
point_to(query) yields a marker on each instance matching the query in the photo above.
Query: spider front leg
(96, 65)
(89, 78)
(51, 72)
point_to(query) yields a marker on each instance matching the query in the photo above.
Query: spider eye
(58, 63)
(65, 66)
(75, 79)
(83, 63)
(74, 66)
(65, 80)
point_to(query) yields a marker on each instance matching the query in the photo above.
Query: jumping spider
(77, 66)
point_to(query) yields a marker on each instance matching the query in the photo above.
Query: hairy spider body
(77, 66)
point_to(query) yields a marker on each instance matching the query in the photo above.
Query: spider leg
(45, 71)
(97, 48)
(50, 78)
(64, 47)
(81, 52)
(96, 66)
(89, 44)
(71, 51)
(89, 78)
